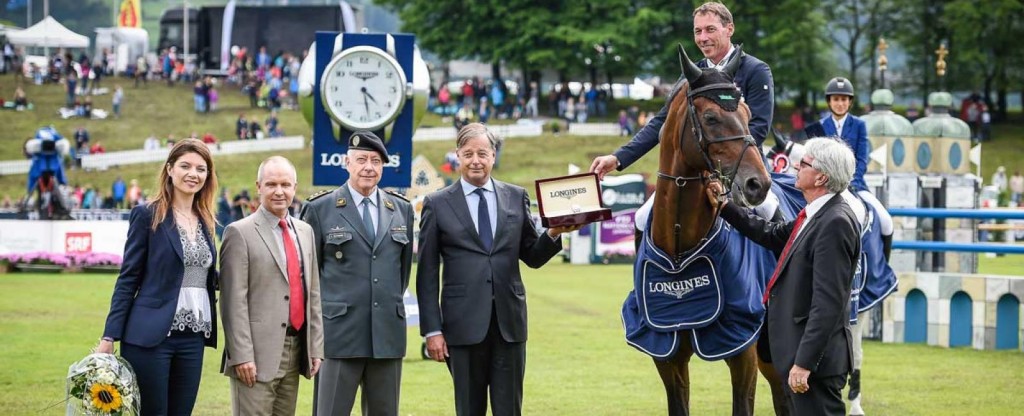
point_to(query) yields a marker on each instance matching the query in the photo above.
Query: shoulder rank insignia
(389, 205)
(317, 195)
(341, 202)
(400, 196)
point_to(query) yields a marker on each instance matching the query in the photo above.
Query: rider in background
(852, 130)
(712, 31)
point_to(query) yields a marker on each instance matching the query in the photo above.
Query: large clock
(363, 88)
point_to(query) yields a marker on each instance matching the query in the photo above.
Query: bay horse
(706, 137)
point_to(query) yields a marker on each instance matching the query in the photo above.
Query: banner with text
(614, 240)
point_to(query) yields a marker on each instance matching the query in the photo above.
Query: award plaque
(571, 200)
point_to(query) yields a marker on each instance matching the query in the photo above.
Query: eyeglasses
(804, 164)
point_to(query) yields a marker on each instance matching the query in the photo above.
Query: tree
(854, 28)
(992, 31)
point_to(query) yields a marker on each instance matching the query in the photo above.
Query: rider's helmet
(839, 86)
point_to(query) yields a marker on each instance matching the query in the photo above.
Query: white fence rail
(594, 129)
(128, 157)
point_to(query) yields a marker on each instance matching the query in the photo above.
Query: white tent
(48, 33)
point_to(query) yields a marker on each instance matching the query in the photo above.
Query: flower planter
(39, 268)
(106, 269)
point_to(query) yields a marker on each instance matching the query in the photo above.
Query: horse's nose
(754, 189)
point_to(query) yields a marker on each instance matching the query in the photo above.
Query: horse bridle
(703, 143)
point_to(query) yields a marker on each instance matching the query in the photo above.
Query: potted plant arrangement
(39, 262)
(98, 262)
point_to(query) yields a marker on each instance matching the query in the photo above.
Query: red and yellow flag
(130, 14)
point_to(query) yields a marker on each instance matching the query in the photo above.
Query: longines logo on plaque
(571, 200)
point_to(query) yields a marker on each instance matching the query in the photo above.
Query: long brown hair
(203, 202)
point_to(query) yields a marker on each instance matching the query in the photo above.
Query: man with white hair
(807, 332)
(364, 248)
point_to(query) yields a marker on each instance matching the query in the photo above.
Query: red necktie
(297, 302)
(785, 253)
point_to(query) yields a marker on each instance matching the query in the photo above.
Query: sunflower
(105, 397)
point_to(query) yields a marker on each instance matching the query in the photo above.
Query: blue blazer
(754, 78)
(146, 293)
(855, 134)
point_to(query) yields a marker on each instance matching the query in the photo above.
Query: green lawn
(578, 363)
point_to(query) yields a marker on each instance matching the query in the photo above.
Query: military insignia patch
(389, 205)
(400, 196)
(341, 202)
(317, 195)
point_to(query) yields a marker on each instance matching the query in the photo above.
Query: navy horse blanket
(716, 289)
(873, 280)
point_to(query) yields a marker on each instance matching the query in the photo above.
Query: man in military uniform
(363, 243)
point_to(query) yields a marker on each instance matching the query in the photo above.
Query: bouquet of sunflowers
(102, 384)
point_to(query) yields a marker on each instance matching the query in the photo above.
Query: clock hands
(367, 94)
(366, 103)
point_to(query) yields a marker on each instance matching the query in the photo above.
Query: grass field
(577, 364)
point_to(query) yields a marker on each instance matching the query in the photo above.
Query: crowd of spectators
(247, 128)
(475, 100)
(975, 112)
(120, 196)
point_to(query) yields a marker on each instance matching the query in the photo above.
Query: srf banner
(130, 14)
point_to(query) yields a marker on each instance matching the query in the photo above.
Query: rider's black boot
(854, 384)
(887, 246)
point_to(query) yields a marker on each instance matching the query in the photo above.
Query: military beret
(365, 140)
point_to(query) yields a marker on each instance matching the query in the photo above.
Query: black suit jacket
(754, 79)
(457, 300)
(146, 293)
(808, 307)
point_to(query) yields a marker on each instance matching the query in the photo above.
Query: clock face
(363, 88)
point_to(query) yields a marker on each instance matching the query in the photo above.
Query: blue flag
(16, 4)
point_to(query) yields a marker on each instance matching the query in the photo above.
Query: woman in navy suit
(163, 307)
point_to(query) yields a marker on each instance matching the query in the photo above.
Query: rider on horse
(852, 130)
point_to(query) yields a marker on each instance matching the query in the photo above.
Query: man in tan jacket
(270, 299)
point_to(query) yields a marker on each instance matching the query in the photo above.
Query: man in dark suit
(363, 244)
(808, 296)
(712, 31)
(480, 228)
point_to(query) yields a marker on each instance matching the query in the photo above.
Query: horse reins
(702, 144)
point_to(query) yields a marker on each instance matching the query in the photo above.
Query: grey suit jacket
(474, 279)
(254, 295)
(363, 281)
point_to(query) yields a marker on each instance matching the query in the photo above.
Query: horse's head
(784, 155)
(709, 120)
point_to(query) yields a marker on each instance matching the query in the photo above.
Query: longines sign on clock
(363, 82)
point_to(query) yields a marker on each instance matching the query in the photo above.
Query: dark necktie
(785, 253)
(368, 220)
(483, 219)
(297, 301)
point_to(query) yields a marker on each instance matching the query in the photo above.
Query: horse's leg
(779, 400)
(743, 369)
(675, 375)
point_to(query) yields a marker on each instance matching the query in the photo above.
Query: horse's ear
(734, 62)
(781, 141)
(690, 70)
